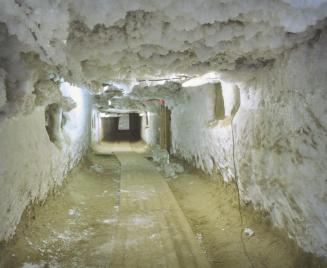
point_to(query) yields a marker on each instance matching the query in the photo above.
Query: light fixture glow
(211, 77)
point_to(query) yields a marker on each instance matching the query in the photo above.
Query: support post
(165, 136)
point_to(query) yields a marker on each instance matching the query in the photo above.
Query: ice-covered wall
(30, 164)
(150, 128)
(192, 136)
(280, 134)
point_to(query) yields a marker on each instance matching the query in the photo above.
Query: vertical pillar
(165, 135)
(219, 103)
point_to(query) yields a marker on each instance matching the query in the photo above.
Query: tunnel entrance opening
(122, 127)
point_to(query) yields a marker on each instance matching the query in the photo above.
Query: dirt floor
(117, 211)
(81, 217)
(211, 207)
(111, 213)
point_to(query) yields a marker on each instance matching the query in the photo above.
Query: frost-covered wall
(280, 134)
(192, 136)
(30, 164)
(150, 128)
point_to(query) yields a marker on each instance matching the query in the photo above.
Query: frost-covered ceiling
(91, 42)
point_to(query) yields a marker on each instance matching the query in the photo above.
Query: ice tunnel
(170, 133)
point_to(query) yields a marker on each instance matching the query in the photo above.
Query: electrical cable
(239, 198)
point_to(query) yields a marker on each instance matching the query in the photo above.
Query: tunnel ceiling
(91, 42)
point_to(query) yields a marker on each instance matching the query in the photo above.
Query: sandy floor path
(152, 229)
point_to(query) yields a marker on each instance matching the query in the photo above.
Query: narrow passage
(152, 230)
(109, 214)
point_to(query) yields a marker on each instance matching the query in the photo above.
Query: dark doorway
(126, 127)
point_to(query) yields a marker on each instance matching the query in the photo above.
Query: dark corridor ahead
(126, 127)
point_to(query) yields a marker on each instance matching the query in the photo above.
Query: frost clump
(161, 157)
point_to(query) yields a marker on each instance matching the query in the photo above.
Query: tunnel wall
(280, 141)
(30, 164)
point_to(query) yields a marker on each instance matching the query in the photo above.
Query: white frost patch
(155, 236)
(73, 212)
(199, 237)
(104, 193)
(97, 168)
(145, 222)
(42, 264)
(248, 232)
(65, 236)
(32, 265)
(141, 192)
(109, 221)
(124, 191)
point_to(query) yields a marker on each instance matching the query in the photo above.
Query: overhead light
(211, 77)
(104, 115)
(109, 115)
